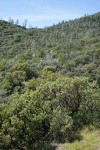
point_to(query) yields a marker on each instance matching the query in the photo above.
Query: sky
(41, 13)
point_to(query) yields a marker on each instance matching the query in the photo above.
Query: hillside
(49, 82)
(73, 47)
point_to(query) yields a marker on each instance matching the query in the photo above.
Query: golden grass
(90, 141)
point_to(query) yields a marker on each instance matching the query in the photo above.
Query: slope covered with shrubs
(49, 82)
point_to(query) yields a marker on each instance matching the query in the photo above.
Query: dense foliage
(49, 82)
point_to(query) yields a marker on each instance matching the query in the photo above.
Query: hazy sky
(43, 13)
